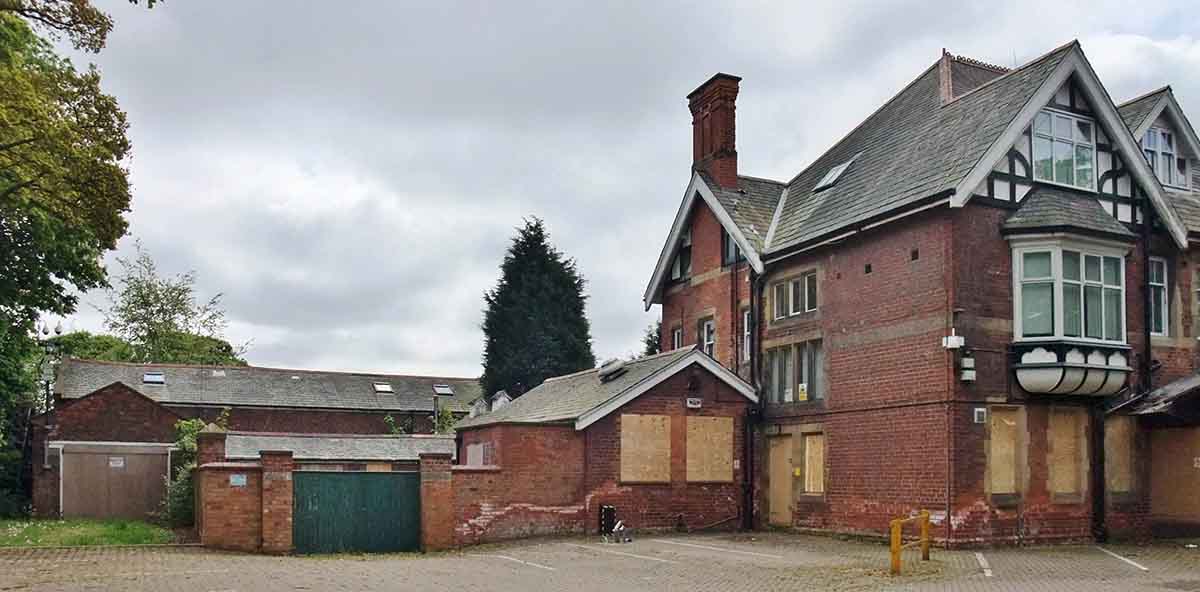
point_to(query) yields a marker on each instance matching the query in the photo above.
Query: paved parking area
(758, 561)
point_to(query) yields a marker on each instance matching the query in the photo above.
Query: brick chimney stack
(713, 147)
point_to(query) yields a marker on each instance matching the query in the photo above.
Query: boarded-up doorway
(112, 481)
(779, 480)
(1175, 481)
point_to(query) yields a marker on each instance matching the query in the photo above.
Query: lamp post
(49, 358)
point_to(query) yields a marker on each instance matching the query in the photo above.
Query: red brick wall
(887, 377)
(277, 504)
(114, 413)
(437, 503)
(707, 293)
(230, 517)
(553, 479)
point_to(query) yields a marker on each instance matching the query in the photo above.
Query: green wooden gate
(356, 512)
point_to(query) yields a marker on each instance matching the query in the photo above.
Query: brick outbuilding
(661, 438)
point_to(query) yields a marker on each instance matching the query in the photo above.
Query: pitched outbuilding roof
(1052, 209)
(575, 397)
(247, 445)
(265, 387)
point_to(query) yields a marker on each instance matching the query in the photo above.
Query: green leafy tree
(534, 323)
(92, 346)
(444, 422)
(161, 319)
(651, 343)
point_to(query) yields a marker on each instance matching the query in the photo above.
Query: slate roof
(1135, 111)
(752, 205)
(566, 398)
(245, 445)
(967, 75)
(1187, 205)
(910, 149)
(1048, 208)
(265, 387)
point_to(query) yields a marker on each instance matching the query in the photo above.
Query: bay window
(1071, 291)
(1171, 167)
(1064, 149)
(795, 373)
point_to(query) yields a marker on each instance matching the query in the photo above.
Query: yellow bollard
(896, 547)
(925, 535)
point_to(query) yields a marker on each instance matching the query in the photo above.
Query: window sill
(1007, 501)
(1066, 499)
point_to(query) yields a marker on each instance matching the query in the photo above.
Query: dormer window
(681, 266)
(1159, 147)
(1064, 149)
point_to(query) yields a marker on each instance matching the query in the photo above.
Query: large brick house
(979, 302)
(106, 445)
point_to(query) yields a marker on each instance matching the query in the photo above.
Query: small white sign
(237, 480)
(116, 462)
(1196, 462)
(694, 402)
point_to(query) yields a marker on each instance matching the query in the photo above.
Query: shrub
(178, 507)
(13, 502)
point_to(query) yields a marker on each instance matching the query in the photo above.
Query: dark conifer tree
(534, 323)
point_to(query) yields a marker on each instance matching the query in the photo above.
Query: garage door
(117, 482)
(367, 512)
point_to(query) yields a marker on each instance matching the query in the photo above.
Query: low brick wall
(243, 506)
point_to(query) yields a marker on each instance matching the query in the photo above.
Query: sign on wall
(116, 462)
(237, 480)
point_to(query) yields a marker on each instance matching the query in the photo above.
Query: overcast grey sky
(349, 174)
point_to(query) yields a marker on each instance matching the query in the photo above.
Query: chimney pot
(714, 148)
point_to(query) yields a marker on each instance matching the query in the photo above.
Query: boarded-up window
(710, 449)
(1118, 453)
(1066, 450)
(814, 463)
(1002, 456)
(645, 448)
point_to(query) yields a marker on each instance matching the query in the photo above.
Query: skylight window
(444, 390)
(154, 378)
(383, 387)
(835, 173)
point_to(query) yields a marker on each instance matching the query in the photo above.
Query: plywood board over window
(814, 463)
(1002, 451)
(1118, 453)
(1067, 451)
(645, 448)
(710, 449)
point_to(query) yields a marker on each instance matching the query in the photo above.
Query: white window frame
(1155, 153)
(795, 296)
(810, 305)
(1056, 245)
(677, 271)
(780, 306)
(746, 335)
(1164, 297)
(708, 337)
(676, 338)
(1034, 134)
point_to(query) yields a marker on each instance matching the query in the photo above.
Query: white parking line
(726, 550)
(1125, 559)
(515, 560)
(622, 553)
(983, 563)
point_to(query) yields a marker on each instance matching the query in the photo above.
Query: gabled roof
(1050, 209)
(264, 387)
(935, 141)
(581, 398)
(749, 203)
(1140, 113)
(1137, 110)
(248, 445)
(912, 147)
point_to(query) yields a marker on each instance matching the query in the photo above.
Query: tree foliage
(92, 346)
(161, 319)
(534, 323)
(86, 26)
(651, 339)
